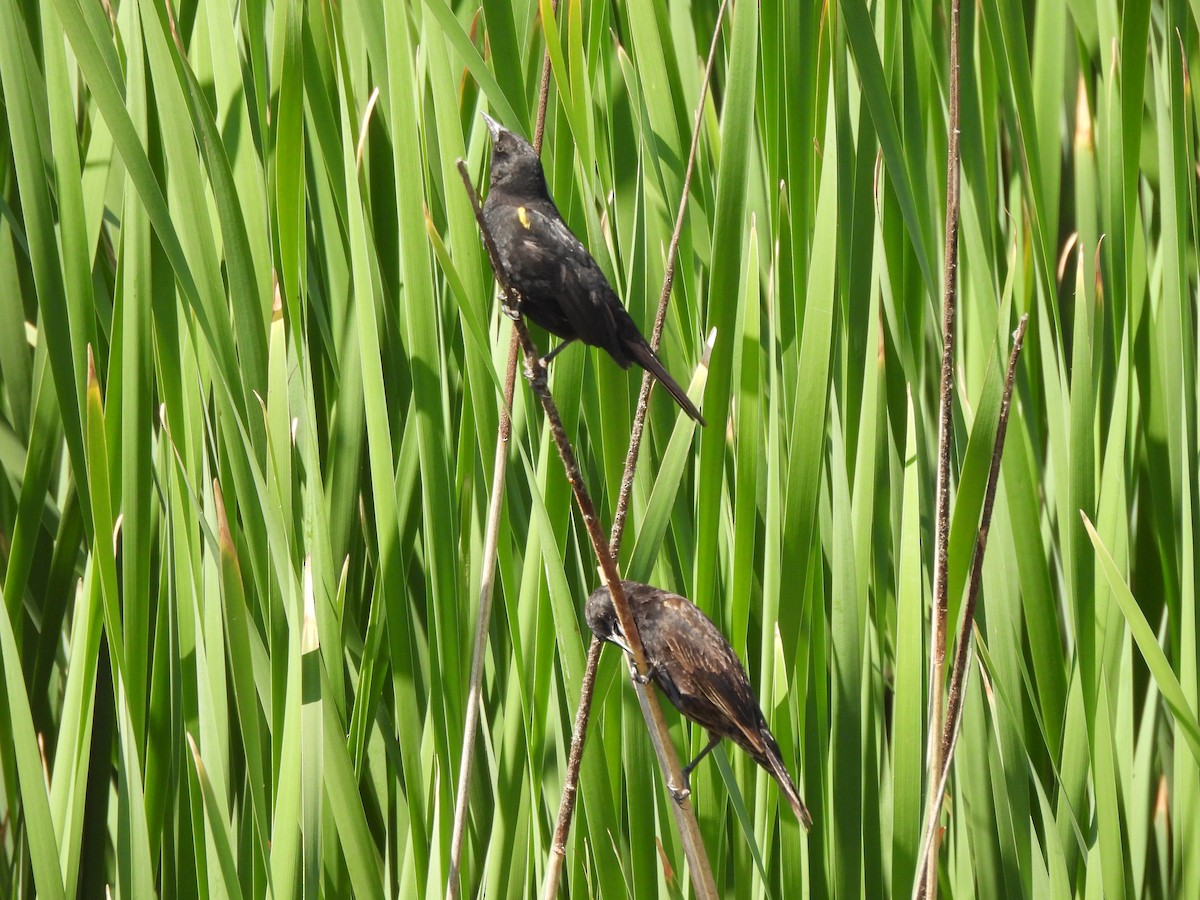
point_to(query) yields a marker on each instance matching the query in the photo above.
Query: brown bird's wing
(700, 673)
(702, 676)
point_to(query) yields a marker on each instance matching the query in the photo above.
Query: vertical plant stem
(958, 670)
(490, 541)
(962, 660)
(945, 433)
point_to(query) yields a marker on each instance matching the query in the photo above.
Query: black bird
(693, 664)
(561, 287)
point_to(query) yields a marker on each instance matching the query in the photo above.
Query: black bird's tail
(640, 353)
(781, 774)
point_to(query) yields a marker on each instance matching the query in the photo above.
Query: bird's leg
(713, 740)
(682, 795)
(545, 360)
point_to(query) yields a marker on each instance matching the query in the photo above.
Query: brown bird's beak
(618, 638)
(493, 126)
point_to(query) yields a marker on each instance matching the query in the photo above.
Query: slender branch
(566, 808)
(566, 804)
(490, 543)
(486, 590)
(685, 818)
(961, 669)
(639, 418)
(929, 834)
(945, 429)
(954, 705)
(539, 129)
(535, 373)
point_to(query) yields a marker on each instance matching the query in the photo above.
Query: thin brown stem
(566, 804)
(483, 619)
(945, 428)
(539, 129)
(490, 545)
(957, 671)
(685, 818)
(660, 317)
(961, 668)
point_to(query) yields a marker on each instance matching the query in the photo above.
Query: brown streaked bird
(562, 288)
(693, 664)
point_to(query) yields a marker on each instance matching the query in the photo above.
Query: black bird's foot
(510, 309)
(545, 360)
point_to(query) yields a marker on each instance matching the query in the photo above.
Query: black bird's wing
(589, 303)
(553, 263)
(564, 290)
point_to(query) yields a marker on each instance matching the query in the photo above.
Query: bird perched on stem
(561, 287)
(693, 664)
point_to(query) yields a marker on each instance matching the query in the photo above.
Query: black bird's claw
(680, 794)
(536, 373)
(510, 305)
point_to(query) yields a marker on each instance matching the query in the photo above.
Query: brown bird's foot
(536, 373)
(680, 794)
(642, 677)
(713, 740)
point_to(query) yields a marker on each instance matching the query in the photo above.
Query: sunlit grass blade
(42, 839)
(1152, 653)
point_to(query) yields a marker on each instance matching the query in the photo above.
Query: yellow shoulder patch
(522, 216)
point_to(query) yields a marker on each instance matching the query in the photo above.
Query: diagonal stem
(961, 669)
(660, 317)
(535, 373)
(958, 670)
(685, 818)
(566, 808)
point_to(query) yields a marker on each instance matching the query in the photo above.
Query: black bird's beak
(493, 126)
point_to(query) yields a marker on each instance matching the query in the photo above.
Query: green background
(260, 688)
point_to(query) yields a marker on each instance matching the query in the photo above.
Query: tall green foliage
(250, 366)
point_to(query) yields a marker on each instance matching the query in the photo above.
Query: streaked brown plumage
(562, 288)
(693, 664)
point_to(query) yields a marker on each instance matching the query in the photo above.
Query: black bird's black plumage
(562, 288)
(693, 664)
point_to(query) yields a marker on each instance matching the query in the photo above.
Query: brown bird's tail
(640, 352)
(774, 764)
